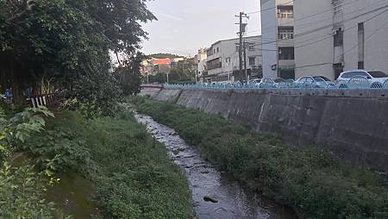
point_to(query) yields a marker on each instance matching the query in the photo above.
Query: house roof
(165, 61)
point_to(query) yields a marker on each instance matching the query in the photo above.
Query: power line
(369, 37)
(303, 18)
(352, 18)
(346, 29)
(353, 47)
(267, 9)
(326, 11)
(330, 25)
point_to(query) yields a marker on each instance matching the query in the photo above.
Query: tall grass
(131, 172)
(310, 180)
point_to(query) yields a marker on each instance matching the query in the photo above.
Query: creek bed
(214, 194)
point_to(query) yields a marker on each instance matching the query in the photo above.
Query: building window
(339, 38)
(210, 52)
(227, 60)
(286, 53)
(218, 49)
(251, 47)
(252, 61)
(285, 11)
(213, 64)
(237, 48)
(285, 33)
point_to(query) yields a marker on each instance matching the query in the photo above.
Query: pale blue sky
(184, 26)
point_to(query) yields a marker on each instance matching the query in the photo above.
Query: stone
(210, 199)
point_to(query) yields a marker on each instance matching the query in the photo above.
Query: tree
(164, 55)
(129, 76)
(68, 40)
(184, 71)
(159, 77)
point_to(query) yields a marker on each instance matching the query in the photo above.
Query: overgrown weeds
(132, 173)
(309, 180)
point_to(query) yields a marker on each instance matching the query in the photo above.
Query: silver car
(371, 76)
(312, 82)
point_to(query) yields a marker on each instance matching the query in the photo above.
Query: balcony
(214, 64)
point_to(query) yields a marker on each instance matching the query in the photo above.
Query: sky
(184, 26)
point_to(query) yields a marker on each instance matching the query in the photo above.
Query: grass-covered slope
(131, 172)
(312, 182)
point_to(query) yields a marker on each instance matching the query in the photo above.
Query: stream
(214, 194)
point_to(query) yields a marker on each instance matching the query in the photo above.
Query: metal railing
(353, 83)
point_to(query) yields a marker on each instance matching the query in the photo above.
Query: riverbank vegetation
(310, 181)
(82, 56)
(122, 170)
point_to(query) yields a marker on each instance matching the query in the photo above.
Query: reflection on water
(72, 195)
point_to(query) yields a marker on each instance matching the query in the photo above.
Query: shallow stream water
(215, 194)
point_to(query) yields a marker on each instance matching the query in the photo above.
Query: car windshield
(354, 74)
(378, 74)
(318, 79)
(321, 77)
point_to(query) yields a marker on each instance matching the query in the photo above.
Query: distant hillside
(164, 55)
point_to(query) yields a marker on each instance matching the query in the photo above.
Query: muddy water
(73, 196)
(214, 194)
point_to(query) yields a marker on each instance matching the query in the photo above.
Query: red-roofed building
(162, 65)
(165, 61)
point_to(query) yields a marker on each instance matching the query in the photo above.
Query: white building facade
(200, 60)
(277, 27)
(332, 36)
(223, 60)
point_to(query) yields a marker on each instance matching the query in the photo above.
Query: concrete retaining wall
(354, 127)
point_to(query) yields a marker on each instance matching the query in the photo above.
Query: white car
(312, 82)
(254, 81)
(371, 76)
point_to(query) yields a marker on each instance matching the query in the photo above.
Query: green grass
(310, 181)
(131, 172)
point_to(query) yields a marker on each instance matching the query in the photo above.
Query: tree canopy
(69, 40)
(164, 55)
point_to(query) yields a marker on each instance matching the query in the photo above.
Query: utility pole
(241, 34)
(245, 60)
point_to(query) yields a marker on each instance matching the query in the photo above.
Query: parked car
(322, 77)
(371, 76)
(313, 81)
(255, 81)
(267, 83)
(280, 83)
(271, 83)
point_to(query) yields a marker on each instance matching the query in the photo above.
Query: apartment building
(336, 35)
(222, 63)
(277, 27)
